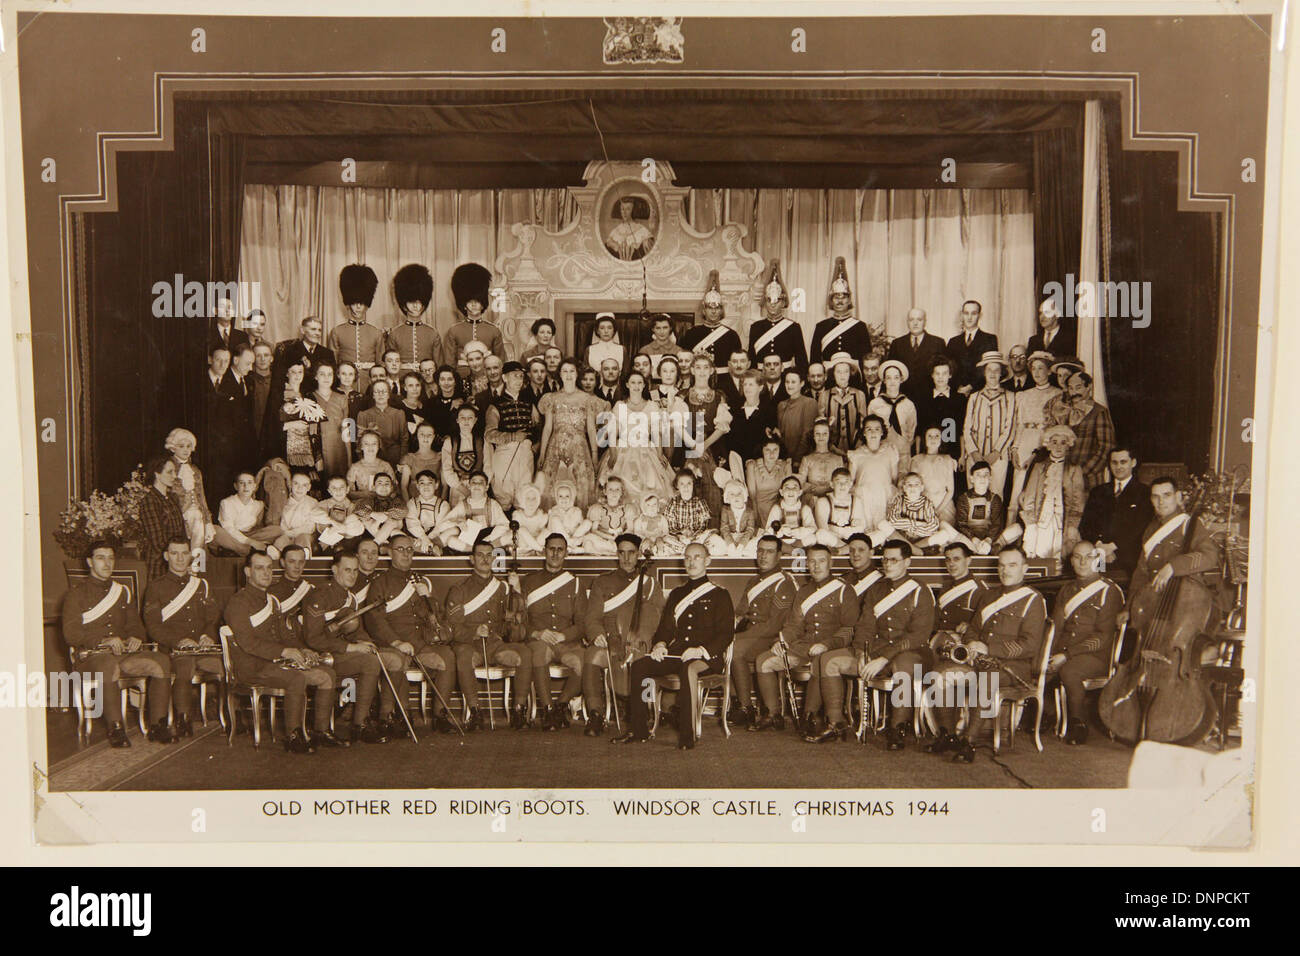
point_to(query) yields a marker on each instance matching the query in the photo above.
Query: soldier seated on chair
(891, 638)
(1085, 616)
(695, 628)
(405, 623)
(263, 652)
(476, 612)
(555, 607)
(180, 615)
(102, 627)
(1004, 637)
(821, 619)
(769, 594)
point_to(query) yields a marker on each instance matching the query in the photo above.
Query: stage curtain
(295, 239)
(925, 248)
(1093, 313)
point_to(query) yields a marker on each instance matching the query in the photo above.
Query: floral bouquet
(115, 516)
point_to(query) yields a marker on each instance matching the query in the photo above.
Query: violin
(1159, 693)
(515, 602)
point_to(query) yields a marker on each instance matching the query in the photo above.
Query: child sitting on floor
(425, 513)
(302, 513)
(473, 514)
(737, 522)
(913, 517)
(532, 520)
(650, 526)
(341, 523)
(566, 518)
(791, 519)
(386, 511)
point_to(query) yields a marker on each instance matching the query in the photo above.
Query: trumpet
(958, 653)
(322, 660)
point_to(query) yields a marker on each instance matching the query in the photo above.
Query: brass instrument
(321, 660)
(202, 650)
(104, 648)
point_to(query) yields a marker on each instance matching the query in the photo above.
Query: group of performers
(373, 624)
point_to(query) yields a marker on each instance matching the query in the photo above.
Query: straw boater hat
(990, 358)
(842, 358)
(1067, 361)
(840, 280)
(774, 288)
(1041, 356)
(357, 284)
(894, 363)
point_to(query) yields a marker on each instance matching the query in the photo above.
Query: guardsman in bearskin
(1086, 618)
(404, 622)
(774, 333)
(860, 575)
(555, 607)
(471, 287)
(841, 331)
(414, 339)
(697, 624)
(332, 627)
(102, 627)
(356, 340)
(960, 591)
(892, 637)
(262, 653)
(1007, 627)
(611, 608)
(709, 336)
(508, 429)
(765, 605)
(821, 619)
(476, 611)
(180, 615)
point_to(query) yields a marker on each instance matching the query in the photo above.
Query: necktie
(969, 336)
(916, 342)
(1119, 489)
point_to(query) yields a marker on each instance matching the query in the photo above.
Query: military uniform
(555, 602)
(95, 611)
(824, 613)
(860, 580)
(1162, 544)
(956, 602)
(258, 640)
(839, 334)
(718, 342)
(763, 611)
(416, 342)
(462, 333)
(698, 613)
(360, 343)
(610, 605)
(1012, 622)
(177, 608)
(481, 602)
(1085, 618)
(326, 603)
(783, 337)
(407, 617)
(896, 621)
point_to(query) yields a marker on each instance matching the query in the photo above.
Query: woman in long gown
(896, 410)
(442, 406)
(668, 395)
(300, 420)
(708, 421)
(874, 466)
(1031, 419)
(568, 449)
(633, 453)
(334, 449)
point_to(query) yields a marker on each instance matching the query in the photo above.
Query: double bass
(1159, 693)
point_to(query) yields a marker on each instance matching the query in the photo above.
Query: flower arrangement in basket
(1224, 497)
(115, 516)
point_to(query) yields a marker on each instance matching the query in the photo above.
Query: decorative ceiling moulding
(605, 259)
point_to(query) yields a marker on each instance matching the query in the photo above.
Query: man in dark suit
(917, 350)
(1018, 378)
(1052, 336)
(610, 387)
(968, 345)
(239, 386)
(729, 382)
(305, 350)
(1116, 514)
(773, 386)
(222, 332)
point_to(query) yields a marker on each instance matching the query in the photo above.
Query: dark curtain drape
(226, 201)
(1058, 203)
(1160, 379)
(145, 374)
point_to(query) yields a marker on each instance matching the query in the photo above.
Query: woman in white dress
(1030, 421)
(632, 435)
(874, 467)
(605, 344)
(669, 396)
(896, 410)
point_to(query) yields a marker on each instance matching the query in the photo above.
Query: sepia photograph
(639, 418)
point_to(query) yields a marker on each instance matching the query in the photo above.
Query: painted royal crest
(644, 40)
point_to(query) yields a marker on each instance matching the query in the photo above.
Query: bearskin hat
(470, 281)
(412, 283)
(357, 284)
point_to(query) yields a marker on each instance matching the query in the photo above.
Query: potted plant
(115, 516)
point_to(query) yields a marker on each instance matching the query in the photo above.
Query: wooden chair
(707, 683)
(132, 689)
(557, 672)
(504, 678)
(1091, 684)
(255, 692)
(1016, 697)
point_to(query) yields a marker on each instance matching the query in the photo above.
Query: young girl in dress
(689, 519)
(737, 527)
(709, 420)
(818, 465)
(633, 452)
(874, 467)
(566, 517)
(426, 512)
(610, 517)
(343, 523)
(475, 512)
(532, 520)
(424, 458)
(937, 470)
(568, 449)
(839, 514)
(790, 519)
(911, 515)
(650, 526)
(386, 512)
(361, 476)
(462, 454)
(763, 476)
